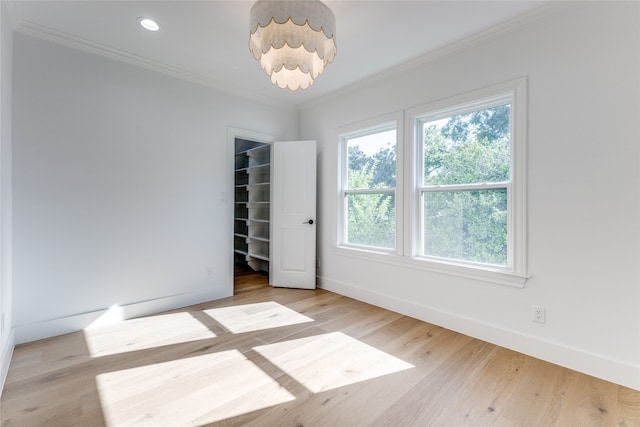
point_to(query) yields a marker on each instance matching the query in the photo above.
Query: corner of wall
(7, 340)
(5, 358)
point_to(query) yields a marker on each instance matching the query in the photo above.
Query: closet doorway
(251, 211)
(274, 211)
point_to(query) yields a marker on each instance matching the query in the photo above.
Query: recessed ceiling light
(149, 24)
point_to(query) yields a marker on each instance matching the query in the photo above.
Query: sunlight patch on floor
(332, 360)
(191, 391)
(255, 317)
(145, 333)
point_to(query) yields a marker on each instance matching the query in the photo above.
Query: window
(465, 183)
(468, 196)
(368, 216)
(463, 192)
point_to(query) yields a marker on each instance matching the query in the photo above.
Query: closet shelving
(252, 203)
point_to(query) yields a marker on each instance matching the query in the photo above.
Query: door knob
(310, 222)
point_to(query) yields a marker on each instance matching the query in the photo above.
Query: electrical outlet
(209, 272)
(538, 313)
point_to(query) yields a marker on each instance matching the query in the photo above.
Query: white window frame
(514, 93)
(380, 124)
(422, 189)
(409, 180)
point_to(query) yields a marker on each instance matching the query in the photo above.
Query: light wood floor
(281, 357)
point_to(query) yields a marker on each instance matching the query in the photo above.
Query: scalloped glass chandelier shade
(293, 40)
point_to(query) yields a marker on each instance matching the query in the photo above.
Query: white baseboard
(77, 322)
(595, 365)
(5, 358)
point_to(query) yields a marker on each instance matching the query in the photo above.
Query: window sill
(495, 276)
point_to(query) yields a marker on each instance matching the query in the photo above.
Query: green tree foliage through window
(460, 221)
(373, 171)
(371, 216)
(467, 149)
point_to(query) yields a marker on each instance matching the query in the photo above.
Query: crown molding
(54, 36)
(49, 34)
(499, 30)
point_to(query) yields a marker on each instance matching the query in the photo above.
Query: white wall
(118, 175)
(6, 331)
(582, 65)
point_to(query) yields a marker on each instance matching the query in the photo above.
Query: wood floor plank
(596, 403)
(539, 396)
(485, 400)
(422, 405)
(288, 357)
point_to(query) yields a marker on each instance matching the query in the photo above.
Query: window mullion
(386, 190)
(465, 187)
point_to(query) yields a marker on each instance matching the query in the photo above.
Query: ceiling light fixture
(149, 24)
(293, 40)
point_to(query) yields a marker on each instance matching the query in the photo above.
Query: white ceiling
(207, 41)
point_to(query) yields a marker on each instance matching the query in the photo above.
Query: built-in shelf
(252, 199)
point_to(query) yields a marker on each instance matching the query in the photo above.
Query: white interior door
(293, 215)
